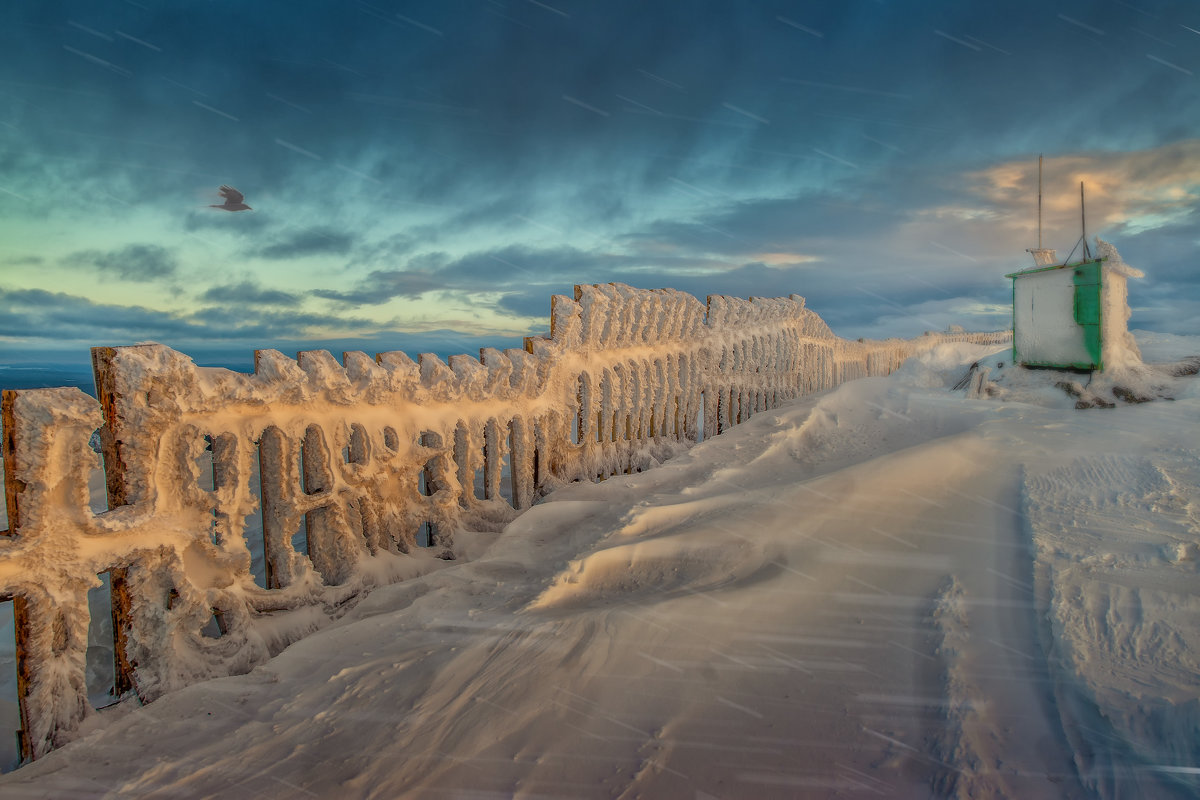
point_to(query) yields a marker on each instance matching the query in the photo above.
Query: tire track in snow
(1116, 539)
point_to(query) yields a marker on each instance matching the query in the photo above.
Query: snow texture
(1118, 346)
(886, 589)
(1117, 539)
(367, 469)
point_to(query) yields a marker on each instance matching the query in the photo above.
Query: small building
(1073, 316)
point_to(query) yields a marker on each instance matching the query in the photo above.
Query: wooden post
(24, 672)
(110, 444)
(12, 498)
(519, 465)
(322, 547)
(225, 475)
(12, 488)
(104, 370)
(433, 441)
(273, 491)
(464, 463)
(493, 459)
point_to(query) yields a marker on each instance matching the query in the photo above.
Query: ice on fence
(372, 462)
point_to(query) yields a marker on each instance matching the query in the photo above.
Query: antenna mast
(1039, 201)
(1041, 257)
(1087, 251)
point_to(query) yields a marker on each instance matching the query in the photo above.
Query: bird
(233, 200)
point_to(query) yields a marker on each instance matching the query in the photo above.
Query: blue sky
(425, 175)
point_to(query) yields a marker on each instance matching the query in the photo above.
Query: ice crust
(618, 385)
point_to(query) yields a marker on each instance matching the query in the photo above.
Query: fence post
(12, 494)
(104, 370)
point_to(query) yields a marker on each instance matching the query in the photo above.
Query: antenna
(1087, 252)
(1039, 201)
(1041, 257)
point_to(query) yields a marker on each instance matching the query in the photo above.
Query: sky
(426, 175)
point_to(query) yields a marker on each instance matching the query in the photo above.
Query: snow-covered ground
(889, 589)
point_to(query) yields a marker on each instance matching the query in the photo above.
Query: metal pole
(1039, 201)
(1083, 222)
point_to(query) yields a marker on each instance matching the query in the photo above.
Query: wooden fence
(361, 472)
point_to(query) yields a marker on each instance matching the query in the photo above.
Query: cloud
(478, 272)
(213, 219)
(25, 261)
(45, 318)
(141, 262)
(386, 251)
(527, 304)
(249, 293)
(306, 242)
(1129, 191)
(62, 326)
(383, 285)
(454, 172)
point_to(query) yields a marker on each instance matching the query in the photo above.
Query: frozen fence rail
(365, 469)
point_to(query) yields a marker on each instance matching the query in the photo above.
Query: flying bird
(233, 200)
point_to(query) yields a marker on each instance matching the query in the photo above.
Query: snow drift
(886, 589)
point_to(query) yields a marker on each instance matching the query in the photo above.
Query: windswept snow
(888, 589)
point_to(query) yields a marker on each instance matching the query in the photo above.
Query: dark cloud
(25, 261)
(699, 145)
(250, 294)
(306, 242)
(60, 326)
(386, 251)
(477, 272)
(479, 111)
(528, 304)
(237, 223)
(53, 317)
(47, 317)
(381, 286)
(141, 262)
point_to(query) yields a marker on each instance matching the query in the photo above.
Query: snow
(242, 502)
(894, 587)
(1119, 347)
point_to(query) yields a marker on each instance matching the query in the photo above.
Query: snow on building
(1073, 316)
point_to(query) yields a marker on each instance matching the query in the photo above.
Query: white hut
(1073, 316)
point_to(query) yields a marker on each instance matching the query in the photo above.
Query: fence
(361, 472)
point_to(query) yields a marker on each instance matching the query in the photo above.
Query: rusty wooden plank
(12, 493)
(519, 466)
(122, 604)
(493, 459)
(12, 487)
(24, 674)
(104, 371)
(225, 474)
(464, 464)
(110, 446)
(273, 494)
(319, 523)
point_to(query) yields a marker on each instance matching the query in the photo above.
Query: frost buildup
(337, 477)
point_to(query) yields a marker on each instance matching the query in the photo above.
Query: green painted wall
(1088, 309)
